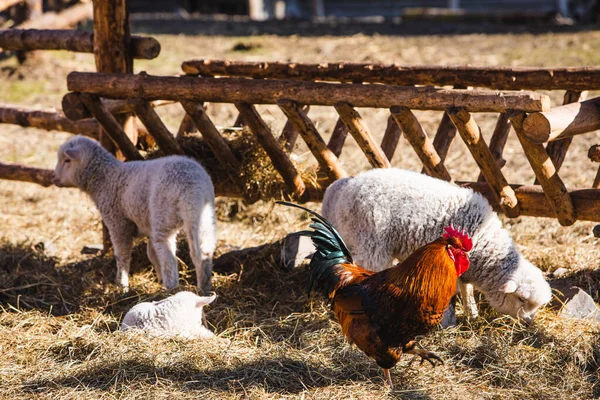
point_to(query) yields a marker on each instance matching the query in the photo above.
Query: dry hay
(259, 178)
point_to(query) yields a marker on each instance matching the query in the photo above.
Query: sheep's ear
(509, 287)
(73, 153)
(202, 301)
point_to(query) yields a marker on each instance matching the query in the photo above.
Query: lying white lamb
(178, 315)
(384, 214)
(154, 198)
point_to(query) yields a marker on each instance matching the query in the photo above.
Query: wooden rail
(500, 78)
(47, 120)
(70, 40)
(228, 90)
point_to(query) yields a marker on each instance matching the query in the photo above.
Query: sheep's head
(69, 156)
(522, 293)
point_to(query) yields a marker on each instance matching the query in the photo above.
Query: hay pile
(260, 180)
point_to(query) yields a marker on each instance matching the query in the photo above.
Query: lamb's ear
(509, 286)
(73, 153)
(202, 301)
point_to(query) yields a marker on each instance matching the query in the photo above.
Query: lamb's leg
(468, 298)
(164, 248)
(201, 238)
(154, 260)
(122, 241)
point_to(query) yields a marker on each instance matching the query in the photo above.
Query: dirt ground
(59, 311)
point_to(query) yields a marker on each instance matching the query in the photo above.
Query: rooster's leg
(411, 348)
(387, 376)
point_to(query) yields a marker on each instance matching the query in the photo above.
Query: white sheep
(384, 214)
(154, 198)
(178, 315)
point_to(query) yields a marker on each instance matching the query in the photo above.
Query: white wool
(178, 315)
(386, 214)
(153, 198)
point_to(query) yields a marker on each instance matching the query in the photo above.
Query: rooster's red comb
(463, 236)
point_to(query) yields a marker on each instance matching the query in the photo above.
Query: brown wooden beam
(325, 157)
(70, 40)
(23, 173)
(498, 141)
(215, 141)
(111, 126)
(228, 90)
(471, 135)
(186, 126)
(156, 128)
(359, 130)
(391, 137)
(289, 134)
(554, 188)
(420, 142)
(278, 157)
(47, 120)
(75, 110)
(338, 137)
(562, 122)
(501, 78)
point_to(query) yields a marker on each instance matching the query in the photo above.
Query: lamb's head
(73, 156)
(522, 292)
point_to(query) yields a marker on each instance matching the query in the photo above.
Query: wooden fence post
(111, 52)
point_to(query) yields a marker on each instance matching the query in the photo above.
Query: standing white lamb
(384, 214)
(177, 315)
(154, 198)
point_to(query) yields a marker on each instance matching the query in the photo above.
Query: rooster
(382, 312)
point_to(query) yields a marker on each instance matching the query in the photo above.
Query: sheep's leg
(164, 248)
(122, 241)
(154, 260)
(468, 298)
(201, 238)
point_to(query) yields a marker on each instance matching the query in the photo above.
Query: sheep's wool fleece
(384, 214)
(177, 315)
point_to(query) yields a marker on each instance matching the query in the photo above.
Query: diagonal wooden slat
(498, 141)
(444, 136)
(157, 128)
(391, 137)
(554, 188)
(419, 140)
(112, 127)
(325, 157)
(362, 135)
(215, 141)
(557, 150)
(289, 134)
(186, 126)
(471, 135)
(338, 137)
(278, 157)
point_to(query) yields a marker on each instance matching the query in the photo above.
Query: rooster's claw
(425, 355)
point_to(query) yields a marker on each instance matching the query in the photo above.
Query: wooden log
(47, 120)
(215, 141)
(70, 40)
(278, 157)
(557, 150)
(111, 126)
(498, 141)
(500, 78)
(563, 122)
(75, 110)
(391, 137)
(23, 173)
(228, 90)
(68, 17)
(157, 128)
(6, 4)
(471, 135)
(325, 157)
(338, 138)
(362, 135)
(289, 134)
(533, 201)
(554, 188)
(596, 184)
(186, 126)
(444, 136)
(419, 140)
